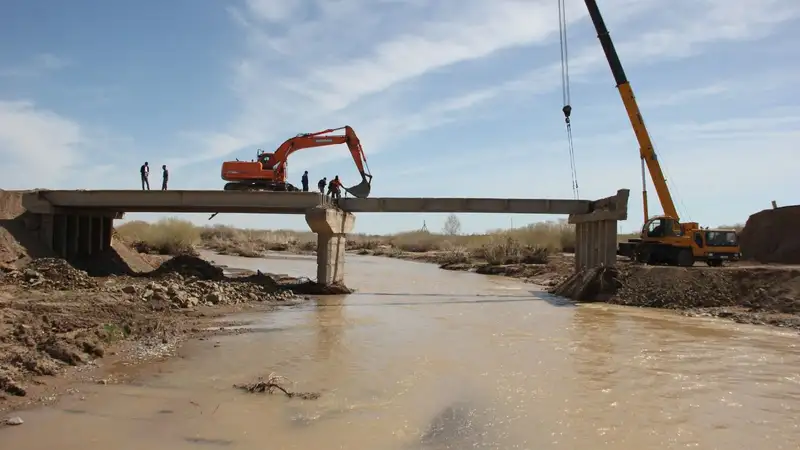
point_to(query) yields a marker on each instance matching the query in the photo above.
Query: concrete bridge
(80, 223)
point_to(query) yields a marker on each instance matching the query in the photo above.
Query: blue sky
(451, 98)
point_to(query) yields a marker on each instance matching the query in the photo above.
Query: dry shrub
(455, 255)
(555, 236)
(168, 236)
(418, 241)
(253, 243)
(508, 250)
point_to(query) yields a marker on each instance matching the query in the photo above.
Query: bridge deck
(48, 202)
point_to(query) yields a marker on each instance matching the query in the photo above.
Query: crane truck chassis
(663, 239)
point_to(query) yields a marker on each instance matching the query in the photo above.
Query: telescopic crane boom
(646, 151)
(663, 239)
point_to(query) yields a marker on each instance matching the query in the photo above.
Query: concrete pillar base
(595, 244)
(331, 226)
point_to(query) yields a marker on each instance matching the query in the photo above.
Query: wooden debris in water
(272, 384)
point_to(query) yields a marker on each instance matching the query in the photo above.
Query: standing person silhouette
(144, 171)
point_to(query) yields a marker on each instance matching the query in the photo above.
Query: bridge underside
(80, 223)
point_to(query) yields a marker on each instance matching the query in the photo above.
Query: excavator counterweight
(268, 171)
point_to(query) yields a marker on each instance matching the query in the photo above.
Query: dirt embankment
(54, 316)
(772, 236)
(757, 295)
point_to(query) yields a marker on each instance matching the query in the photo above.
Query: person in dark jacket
(164, 177)
(321, 185)
(305, 181)
(144, 171)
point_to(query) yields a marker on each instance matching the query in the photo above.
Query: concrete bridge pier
(331, 226)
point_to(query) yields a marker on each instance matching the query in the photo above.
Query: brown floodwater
(422, 358)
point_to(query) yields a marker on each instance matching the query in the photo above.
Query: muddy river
(422, 358)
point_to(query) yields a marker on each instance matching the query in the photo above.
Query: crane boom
(646, 151)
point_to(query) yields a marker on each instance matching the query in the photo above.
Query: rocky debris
(179, 292)
(309, 287)
(50, 274)
(189, 266)
(9, 385)
(16, 420)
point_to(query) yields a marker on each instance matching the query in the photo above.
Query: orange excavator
(268, 171)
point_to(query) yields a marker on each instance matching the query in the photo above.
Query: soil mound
(50, 274)
(766, 295)
(189, 266)
(772, 236)
(17, 243)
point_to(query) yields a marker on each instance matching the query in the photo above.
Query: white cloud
(274, 10)
(36, 66)
(38, 146)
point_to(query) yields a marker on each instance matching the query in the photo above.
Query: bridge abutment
(331, 226)
(596, 231)
(73, 235)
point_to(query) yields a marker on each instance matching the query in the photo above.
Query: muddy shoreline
(59, 326)
(742, 292)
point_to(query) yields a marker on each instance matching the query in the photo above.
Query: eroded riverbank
(56, 321)
(420, 358)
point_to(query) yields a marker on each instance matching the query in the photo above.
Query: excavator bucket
(361, 190)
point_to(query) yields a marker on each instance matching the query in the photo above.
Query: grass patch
(166, 237)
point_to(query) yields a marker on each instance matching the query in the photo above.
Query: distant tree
(452, 226)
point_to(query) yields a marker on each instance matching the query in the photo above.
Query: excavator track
(261, 186)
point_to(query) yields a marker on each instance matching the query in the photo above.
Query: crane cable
(565, 92)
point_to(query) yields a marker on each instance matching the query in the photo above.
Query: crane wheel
(685, 258)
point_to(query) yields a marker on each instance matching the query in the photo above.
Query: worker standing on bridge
(164, 177)
(334, 188)
(321, 185)
(145, 173)
(305, 181)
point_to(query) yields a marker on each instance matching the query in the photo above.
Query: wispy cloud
(35, 66)
(322, 65)
(37, 146)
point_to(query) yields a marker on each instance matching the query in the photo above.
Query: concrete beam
(49, 202)
(465, 205)
(609, 208)
(331, 226)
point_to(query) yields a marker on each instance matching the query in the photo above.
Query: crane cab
(664, 240)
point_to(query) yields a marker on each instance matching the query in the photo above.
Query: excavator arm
(321, 139)
(646, 150)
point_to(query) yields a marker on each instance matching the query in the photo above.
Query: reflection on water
(420, 358)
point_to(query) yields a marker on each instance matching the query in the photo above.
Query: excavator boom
(270, 170)
(646, 150)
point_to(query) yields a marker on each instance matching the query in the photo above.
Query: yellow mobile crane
(663, 239)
